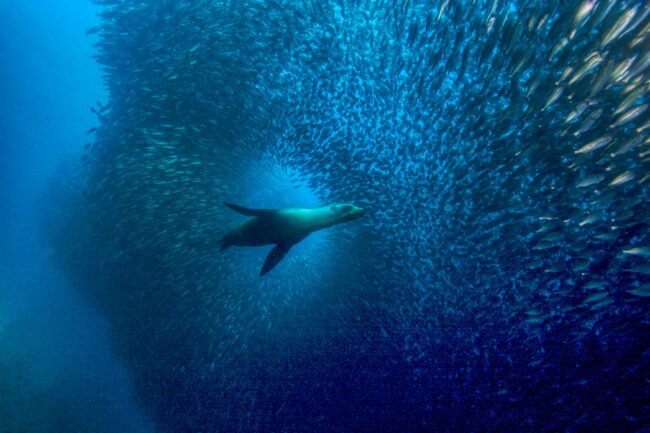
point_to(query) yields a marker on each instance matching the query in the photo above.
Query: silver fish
(595, 144)
(619, 26)
(622, 178)
(630, 115)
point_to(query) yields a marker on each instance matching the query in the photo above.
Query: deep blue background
(57, 371)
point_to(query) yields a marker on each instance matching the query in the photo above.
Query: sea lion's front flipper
(248, 211)
(274, 257)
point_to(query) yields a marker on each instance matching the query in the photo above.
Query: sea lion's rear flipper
(225, 243)
(274, 257)
(248, 211)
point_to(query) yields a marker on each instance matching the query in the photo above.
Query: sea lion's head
(346, 212)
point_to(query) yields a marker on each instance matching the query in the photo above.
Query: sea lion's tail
(225, 243)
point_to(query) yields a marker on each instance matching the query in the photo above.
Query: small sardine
(630, 115)
(619, 26)
(622, 178)
(595, 144)
(638, 251)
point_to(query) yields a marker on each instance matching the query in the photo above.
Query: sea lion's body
(284, 227)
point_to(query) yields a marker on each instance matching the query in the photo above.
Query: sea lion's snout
(358, 212)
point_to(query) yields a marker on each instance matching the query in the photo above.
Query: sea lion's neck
(322, 218)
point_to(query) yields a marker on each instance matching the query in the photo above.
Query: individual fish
(638, 251)
(641, 292)
(594, 217)
(535, 320)
(541, 246)
(596, 297)
(553, 97)
(608, 236)
(534, 83)
(559, 46)
(630, 99)
(602, 11)
(618, 27)
(576, 113)
(533, 312)
(602, 303)
(594, 285)
(589, 122)
(553, 237)
(641, 36)
(542, 21)
(582, 12)
(602, 78)
(595, 144)
(629, 145)
(590, 180)
(443, 6)
(565, 74)
(554, 269)
(546, 227)
(642, 128)
(630, 115)
(621, 71)
(622, 178)
(592, 62)
(581, 266)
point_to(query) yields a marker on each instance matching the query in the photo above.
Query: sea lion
(284, 227)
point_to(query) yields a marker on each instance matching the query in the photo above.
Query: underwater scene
(325, 216)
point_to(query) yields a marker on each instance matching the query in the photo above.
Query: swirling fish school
(499, 280)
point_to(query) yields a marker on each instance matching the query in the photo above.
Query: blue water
(499, 280)
(58, 371)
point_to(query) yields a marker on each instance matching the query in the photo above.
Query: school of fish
(500, 280)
